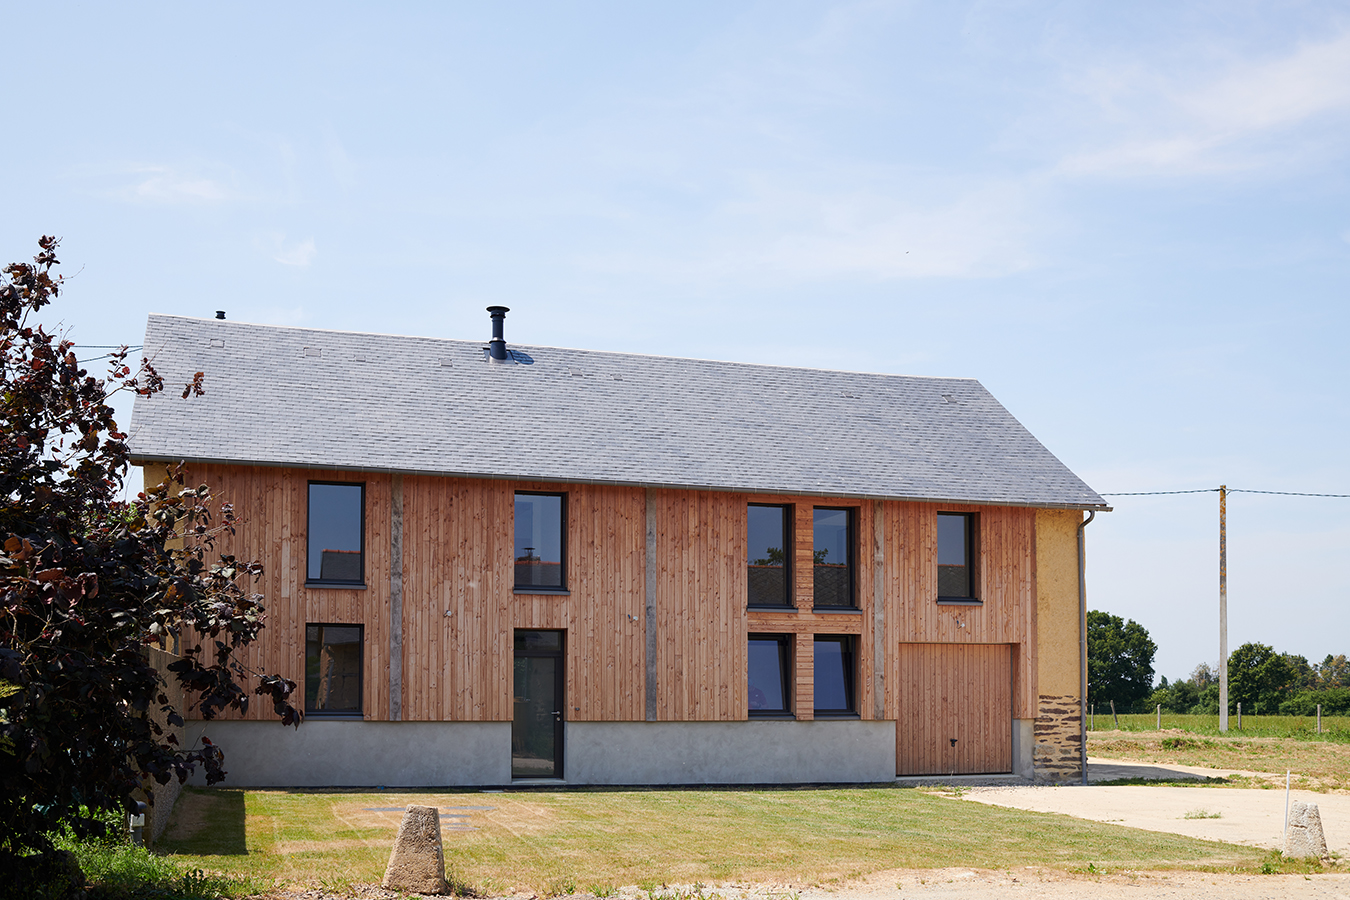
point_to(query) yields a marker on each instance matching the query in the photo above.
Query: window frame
(972, 531)
(789, 541)
(849, 654)
(562, 588)
(359, 712)
(785, 669)
(359, 584)
(852, 542)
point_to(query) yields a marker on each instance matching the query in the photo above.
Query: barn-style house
(494, 564)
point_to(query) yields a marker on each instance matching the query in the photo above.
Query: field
(1334, 728)
(1271, 745)
(564, 841)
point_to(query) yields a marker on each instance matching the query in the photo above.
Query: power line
(1216, 490)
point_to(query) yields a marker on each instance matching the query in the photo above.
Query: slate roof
(373, 402)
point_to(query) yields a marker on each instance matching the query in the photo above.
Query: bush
(1334, 701)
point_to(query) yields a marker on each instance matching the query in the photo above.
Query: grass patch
(1317, 765)
(1335, 729)
(1202, 814)
(554, 843)
(119, 871)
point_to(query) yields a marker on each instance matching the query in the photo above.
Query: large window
(768, 668)
(336, 533)
(832, 554)
(958, 553)
(333, 670)
(541, 542)
(834, 675)
(769, 539)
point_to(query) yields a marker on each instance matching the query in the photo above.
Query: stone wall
(1057, 755)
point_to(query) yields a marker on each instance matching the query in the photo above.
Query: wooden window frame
(359, 584)
(972, 561)
(359, 712)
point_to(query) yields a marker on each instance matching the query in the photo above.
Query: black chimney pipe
(497, 346)
(220, 314)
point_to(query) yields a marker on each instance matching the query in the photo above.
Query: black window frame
(789, 542)
(972, 531)
(358, 584)
(785, 669)
(359, 712)
(849, 654)
(852, 542)
(562, 549)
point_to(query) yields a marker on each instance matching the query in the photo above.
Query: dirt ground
(968, 884)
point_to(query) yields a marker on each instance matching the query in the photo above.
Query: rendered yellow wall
(1057, 601)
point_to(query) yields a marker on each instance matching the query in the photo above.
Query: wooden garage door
(961, 691)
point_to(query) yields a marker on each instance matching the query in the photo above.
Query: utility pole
(1223, 608)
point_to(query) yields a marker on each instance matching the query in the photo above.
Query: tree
(1259, 678)
(1120, 660)
(88, 582)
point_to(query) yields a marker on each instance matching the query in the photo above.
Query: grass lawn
(1270, 744)
(559, 842)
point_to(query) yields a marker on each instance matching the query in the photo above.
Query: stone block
(417, 863)
(1304, 838)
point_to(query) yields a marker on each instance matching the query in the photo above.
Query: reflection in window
(832, 554)
(834, 674)
(336, 513)
(539, 541)
(333, 669)
(956, 555)
(766, 563)
(767, 664)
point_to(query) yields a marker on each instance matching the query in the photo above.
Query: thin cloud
(164, 185)
(293, 253)
(1226, 124)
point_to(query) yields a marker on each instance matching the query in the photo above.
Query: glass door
(537, 723)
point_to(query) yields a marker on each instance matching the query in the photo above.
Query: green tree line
(1264, 681)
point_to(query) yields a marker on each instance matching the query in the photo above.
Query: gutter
(1082, 644)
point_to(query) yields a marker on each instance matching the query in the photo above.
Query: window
(541, 542)
(333, 670)
(834, 675)
(337, 514)
(958, 551)
(832, 554)
(768, 668)
(768, 535)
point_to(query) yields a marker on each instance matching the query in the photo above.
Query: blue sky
(1129, 221)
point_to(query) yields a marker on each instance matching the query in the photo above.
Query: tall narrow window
(767, 563)
(333, 669)
(958, 551)
(834, 675)
(832, 555)
(767, 663)
(541, 542)
(336, 533)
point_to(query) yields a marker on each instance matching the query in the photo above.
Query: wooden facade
(668, 562)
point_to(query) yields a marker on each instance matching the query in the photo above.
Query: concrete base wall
(729, 752)
(1023, 747)
(360, 754)
(439, 754)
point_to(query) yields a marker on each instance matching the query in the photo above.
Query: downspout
(1082, 644)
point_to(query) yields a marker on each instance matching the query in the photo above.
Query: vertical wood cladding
(701, 619)
(1007, 579)
(954, 691)
(459, 605)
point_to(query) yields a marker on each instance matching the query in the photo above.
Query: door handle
(557, 714)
